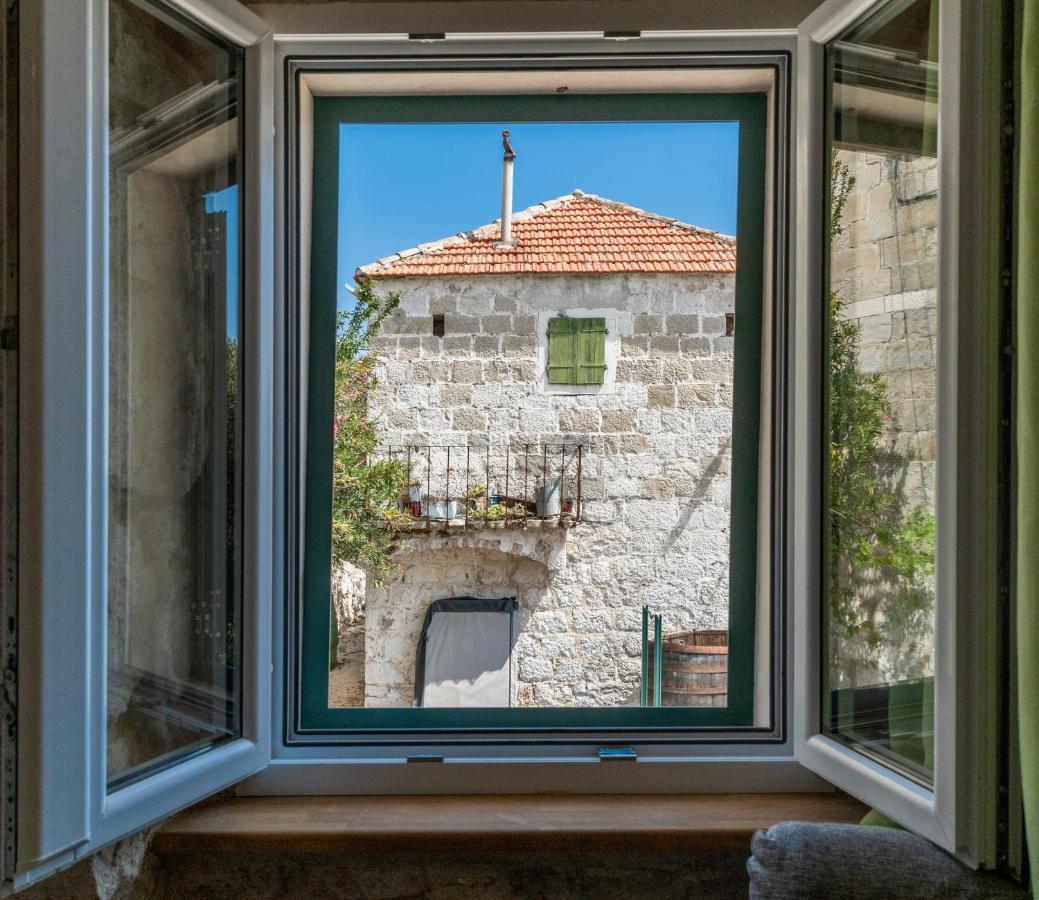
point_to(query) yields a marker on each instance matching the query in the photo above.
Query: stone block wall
(655, 472)
(885, 268)
(884, 265)
(417, 873)
(348, 593)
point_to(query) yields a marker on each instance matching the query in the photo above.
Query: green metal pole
(658, 660)
(645, 656)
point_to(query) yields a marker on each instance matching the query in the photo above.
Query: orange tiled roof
(575, 233)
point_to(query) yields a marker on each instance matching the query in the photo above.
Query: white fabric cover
(467, 659)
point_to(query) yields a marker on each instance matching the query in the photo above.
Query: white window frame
(960, 812)
(710, 762)
(64, 809)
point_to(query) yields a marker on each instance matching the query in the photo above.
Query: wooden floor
(493, 822)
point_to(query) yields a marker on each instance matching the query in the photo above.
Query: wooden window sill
(498, 822)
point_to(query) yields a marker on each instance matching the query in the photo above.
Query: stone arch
(435, 569)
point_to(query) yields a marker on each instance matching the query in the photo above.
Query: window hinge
(425, 758)
(608, 754)
(9, 333)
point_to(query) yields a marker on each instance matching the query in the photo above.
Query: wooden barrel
(694, 668)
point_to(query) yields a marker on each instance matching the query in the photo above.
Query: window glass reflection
(882, 345)
(173, 654)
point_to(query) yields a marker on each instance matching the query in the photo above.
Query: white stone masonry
(655, 485)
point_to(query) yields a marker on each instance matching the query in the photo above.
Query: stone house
(468, 362)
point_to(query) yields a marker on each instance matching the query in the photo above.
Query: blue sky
(226, 201)
(403, 185)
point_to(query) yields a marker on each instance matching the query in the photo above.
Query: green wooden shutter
(562, 351)
(576, 350)
(591, 351)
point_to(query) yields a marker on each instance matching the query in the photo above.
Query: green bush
(366, 491)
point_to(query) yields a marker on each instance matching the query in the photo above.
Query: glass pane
(535, 443)
(173, 666)
(882, 341)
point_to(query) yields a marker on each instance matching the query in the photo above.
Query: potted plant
(441, 508)
(476, 493)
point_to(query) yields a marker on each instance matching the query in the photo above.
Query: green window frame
(576, 350)
(310, 618)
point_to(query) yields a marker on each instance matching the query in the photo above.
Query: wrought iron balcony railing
(513, 485)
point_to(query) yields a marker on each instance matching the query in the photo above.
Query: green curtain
(1028, 430)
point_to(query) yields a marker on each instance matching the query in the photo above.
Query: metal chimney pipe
(506, 189)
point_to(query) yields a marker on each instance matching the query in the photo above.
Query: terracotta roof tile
(577, 233)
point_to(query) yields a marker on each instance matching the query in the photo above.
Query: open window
(145, 317)
(898, 589)
(181, 521)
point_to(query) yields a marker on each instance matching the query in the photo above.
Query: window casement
(913, 739)
(145, 215)
(576, 350)
(87, 355)
(478, 494)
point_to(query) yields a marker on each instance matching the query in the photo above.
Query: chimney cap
(509, 152)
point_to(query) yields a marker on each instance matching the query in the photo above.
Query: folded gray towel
(860, 862)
